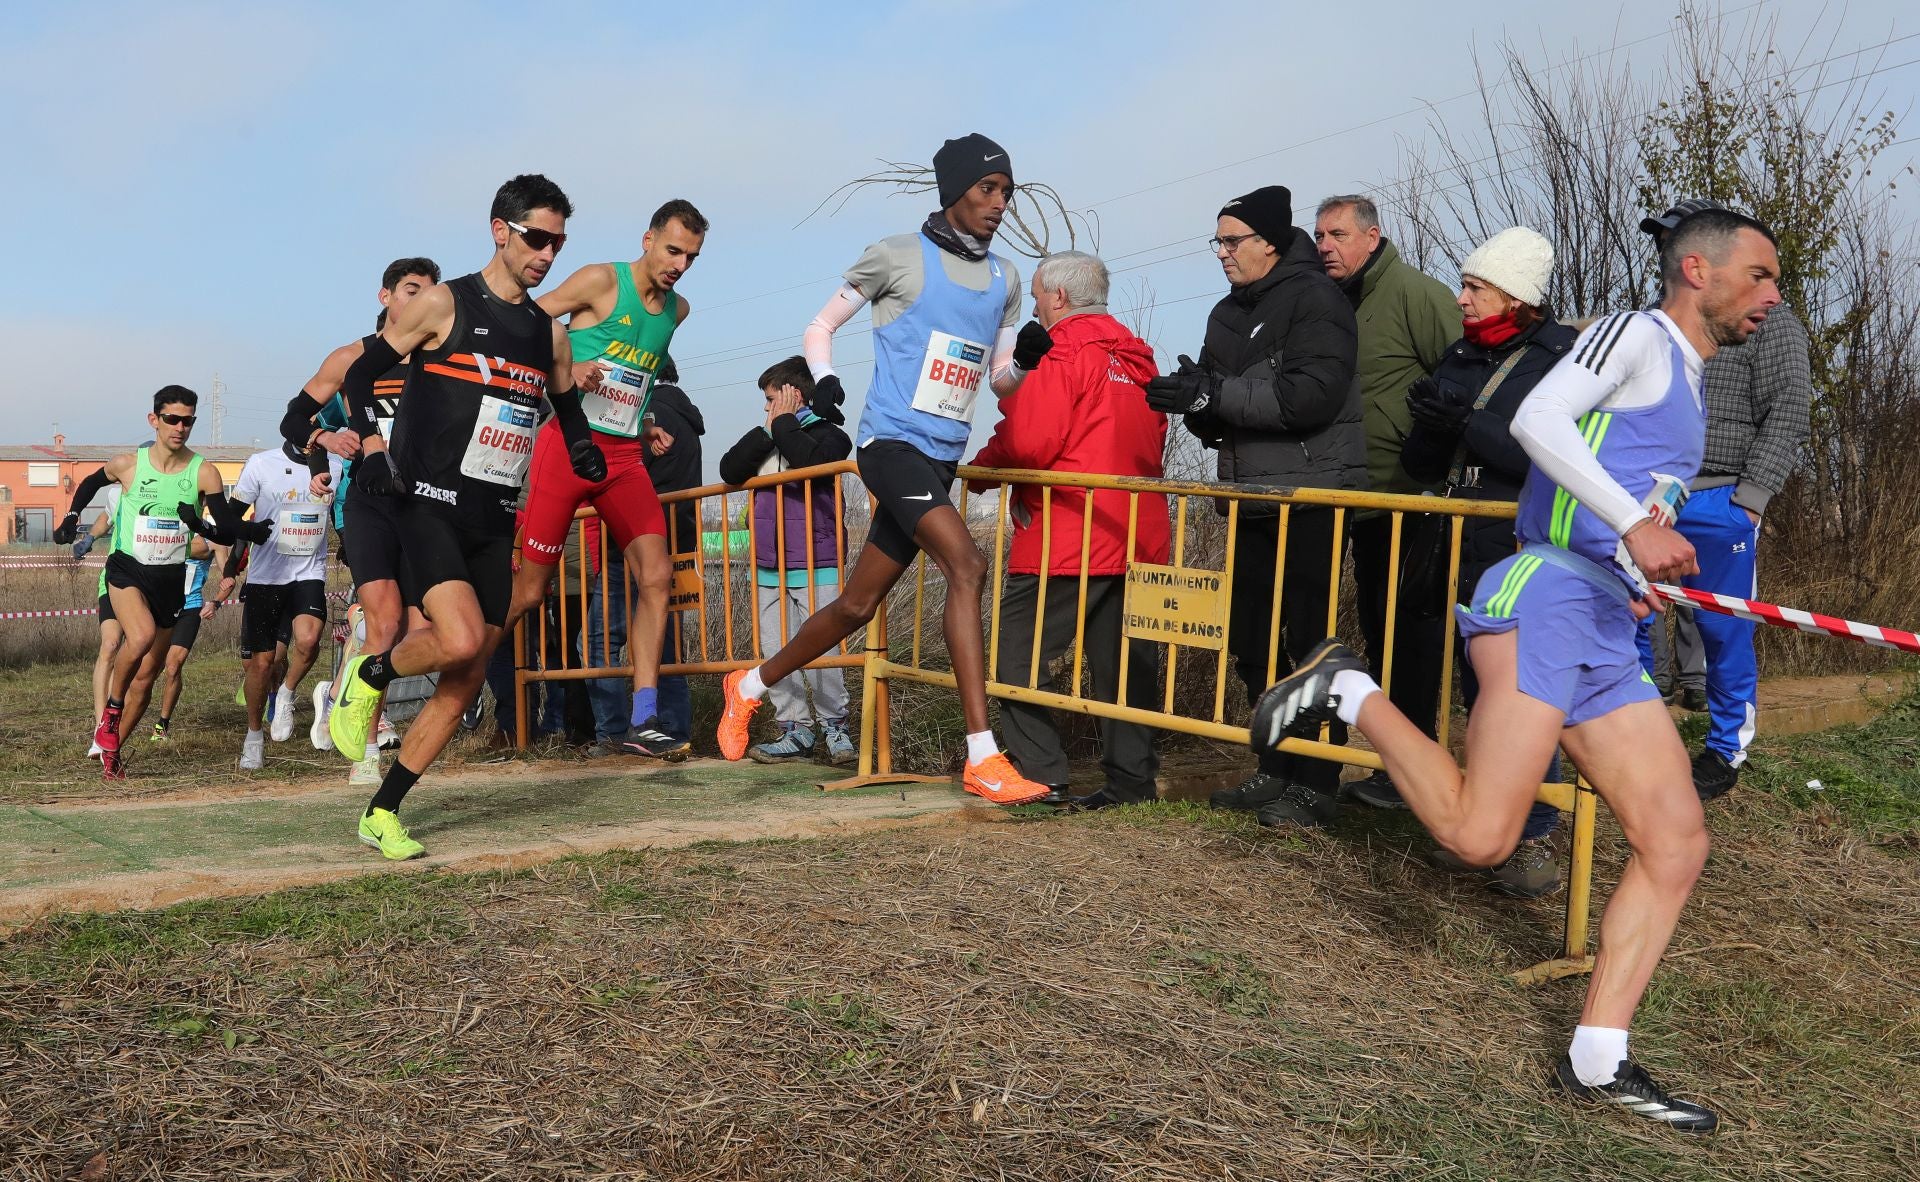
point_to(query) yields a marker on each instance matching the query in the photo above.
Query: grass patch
(1869, 775)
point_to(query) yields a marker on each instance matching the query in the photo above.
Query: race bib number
(950, 377)
(298, 533)
(614, 407)
(502, 443)
(158, 541)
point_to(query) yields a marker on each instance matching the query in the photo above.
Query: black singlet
(463, 435)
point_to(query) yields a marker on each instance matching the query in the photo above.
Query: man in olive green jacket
(1407, 322)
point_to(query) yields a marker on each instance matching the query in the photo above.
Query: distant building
(37, 481)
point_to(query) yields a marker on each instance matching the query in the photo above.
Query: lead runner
(1551, 635)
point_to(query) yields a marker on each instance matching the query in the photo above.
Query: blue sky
(206, 188)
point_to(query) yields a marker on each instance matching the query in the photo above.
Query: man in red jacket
(1083, 409)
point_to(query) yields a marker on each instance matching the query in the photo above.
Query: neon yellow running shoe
(352, 718)
(384, 832)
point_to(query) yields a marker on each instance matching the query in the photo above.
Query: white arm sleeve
(1620, 361)
(1006, 376)
(816, 343)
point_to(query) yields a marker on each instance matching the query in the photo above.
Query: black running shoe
(649, 740)
(1249, 794)
(1632, 1090)
(1303, 699)
(1377, 791)
(1713, 776)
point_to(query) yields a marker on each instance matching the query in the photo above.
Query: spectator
(1459, 441)
(1275, 392)
(1081, 410)
(1759, 398)
(805, 576)
(1407, 320)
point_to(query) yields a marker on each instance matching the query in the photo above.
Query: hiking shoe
(842, 751)
(993, 779)
(1632, 1090)
(1058, 795)
(1377, 791)
(795, 742)
(106, 736)
(1530, 872)
(322, 706)
(647, 739)
(736, 717)
(1693, 698)
(1299, 702)
(1713, 776)
(384, 832)
(253, 752)
(387, 737)
(282, 715)
(1297, 805)
(1250, 793)
(366, 772)
(604, 748)
(351, 721)
(111, 766)
(159, 734)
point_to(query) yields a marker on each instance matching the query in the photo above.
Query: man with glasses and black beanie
(485, 355)
(1275, 392)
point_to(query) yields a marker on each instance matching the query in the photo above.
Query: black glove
(190, 517)
(588, 464)
(1187, 390)
(1437, 408)
(256, 532)
(83, 546)
(376, 473)
(1031, 345)
(827, 392)
(69, 527)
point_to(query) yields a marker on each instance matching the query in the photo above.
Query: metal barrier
(721, 648)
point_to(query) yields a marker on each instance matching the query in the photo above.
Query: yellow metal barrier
(709, 572)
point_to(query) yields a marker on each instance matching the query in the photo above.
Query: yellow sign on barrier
(1177, 605)
(688, 583)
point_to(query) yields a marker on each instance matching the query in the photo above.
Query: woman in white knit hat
(1461, 417)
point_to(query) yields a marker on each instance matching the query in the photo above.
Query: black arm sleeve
(89, 488)
(356, 390)
(297, 425)
(573, 420)
(319, 461)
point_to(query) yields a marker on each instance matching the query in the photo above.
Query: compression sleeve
(89, 488)
(573, 420)
(1005, 375)
(1619, 361)
(297, 427)
(816, 343)
(356, 390)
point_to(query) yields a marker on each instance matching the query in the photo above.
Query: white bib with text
(950, 377)
(502, 443)
(614, 406)
(158, 541)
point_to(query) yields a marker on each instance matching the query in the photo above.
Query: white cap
(1517, 261)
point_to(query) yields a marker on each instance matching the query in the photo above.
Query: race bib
(502, 443)
(298, 532)
(614, 407)
(158, 541)
(950, 377)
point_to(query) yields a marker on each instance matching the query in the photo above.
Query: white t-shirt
(277, 488)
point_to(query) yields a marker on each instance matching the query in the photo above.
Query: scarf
(1490, 332)
(944, 236)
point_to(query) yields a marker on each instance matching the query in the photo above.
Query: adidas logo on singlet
(627, 320)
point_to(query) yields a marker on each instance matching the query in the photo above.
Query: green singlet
(146, 522)
(630, 344)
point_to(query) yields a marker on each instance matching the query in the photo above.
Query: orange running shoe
(995, 780)
(737, 716)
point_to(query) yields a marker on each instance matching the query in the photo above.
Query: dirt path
(104, 855)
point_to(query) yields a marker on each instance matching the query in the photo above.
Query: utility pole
(219, 409)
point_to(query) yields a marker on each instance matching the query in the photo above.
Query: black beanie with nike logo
(959, 163)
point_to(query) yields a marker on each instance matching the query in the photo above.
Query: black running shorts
(186, 629)
(106, 608)
(906, 484)
(267, 611)
(442, 550)
(370, 543)
(163, 587)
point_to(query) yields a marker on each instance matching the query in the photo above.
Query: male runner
(484, 355)
(943, 314)
(1551, 634)
(368, 525)
(620, 319)
(161, 485)
(286, 587)
(195, 609)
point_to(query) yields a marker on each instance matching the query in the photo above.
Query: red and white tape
(23, 564)
(69, 612)
(1792, 617)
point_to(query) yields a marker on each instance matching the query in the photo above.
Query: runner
(943, 314)
(1551, 634)
(161, 485)
(620, 319)
(286, 587)
(484, 356)
(194, 610)
(109, 627)
(316, 420)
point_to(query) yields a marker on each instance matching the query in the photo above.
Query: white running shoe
(282, 729)
(389, 738)
(317, 734)
(253, 752)
(365, 773)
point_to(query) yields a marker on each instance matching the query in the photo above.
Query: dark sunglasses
(173, 420)
(538, 239)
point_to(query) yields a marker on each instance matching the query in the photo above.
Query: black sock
(165, 722)
(400, 780)
(378, 671)
(114, 703)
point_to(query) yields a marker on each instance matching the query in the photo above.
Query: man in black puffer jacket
(1275, 391)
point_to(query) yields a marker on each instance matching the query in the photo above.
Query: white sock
(253, 736)
(1353, 687)
(286, 695)
(373, 749)
(981, 747)
(1597, 1052)
(751, 687)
